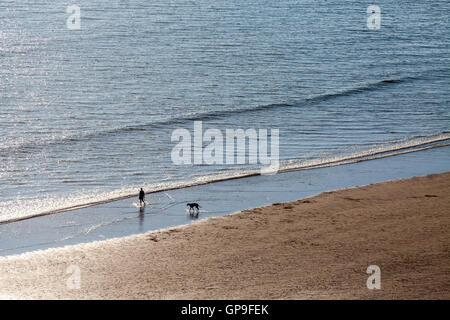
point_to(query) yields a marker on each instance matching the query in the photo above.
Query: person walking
(142, 197)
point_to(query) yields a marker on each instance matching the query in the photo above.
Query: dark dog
(192, 206)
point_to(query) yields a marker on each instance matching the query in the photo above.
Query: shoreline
(314, 248)
(168, 209)
(349, 159)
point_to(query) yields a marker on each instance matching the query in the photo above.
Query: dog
(192, 206)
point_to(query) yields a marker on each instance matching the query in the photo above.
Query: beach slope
(314, 248)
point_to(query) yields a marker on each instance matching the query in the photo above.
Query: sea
(87, 114)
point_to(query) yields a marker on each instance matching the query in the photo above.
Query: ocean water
(87, 115)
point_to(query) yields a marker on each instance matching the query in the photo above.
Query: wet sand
(314, 248)
(168, 209)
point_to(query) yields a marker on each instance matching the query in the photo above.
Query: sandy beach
(313, 248)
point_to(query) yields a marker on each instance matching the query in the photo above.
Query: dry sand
(315, 248)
